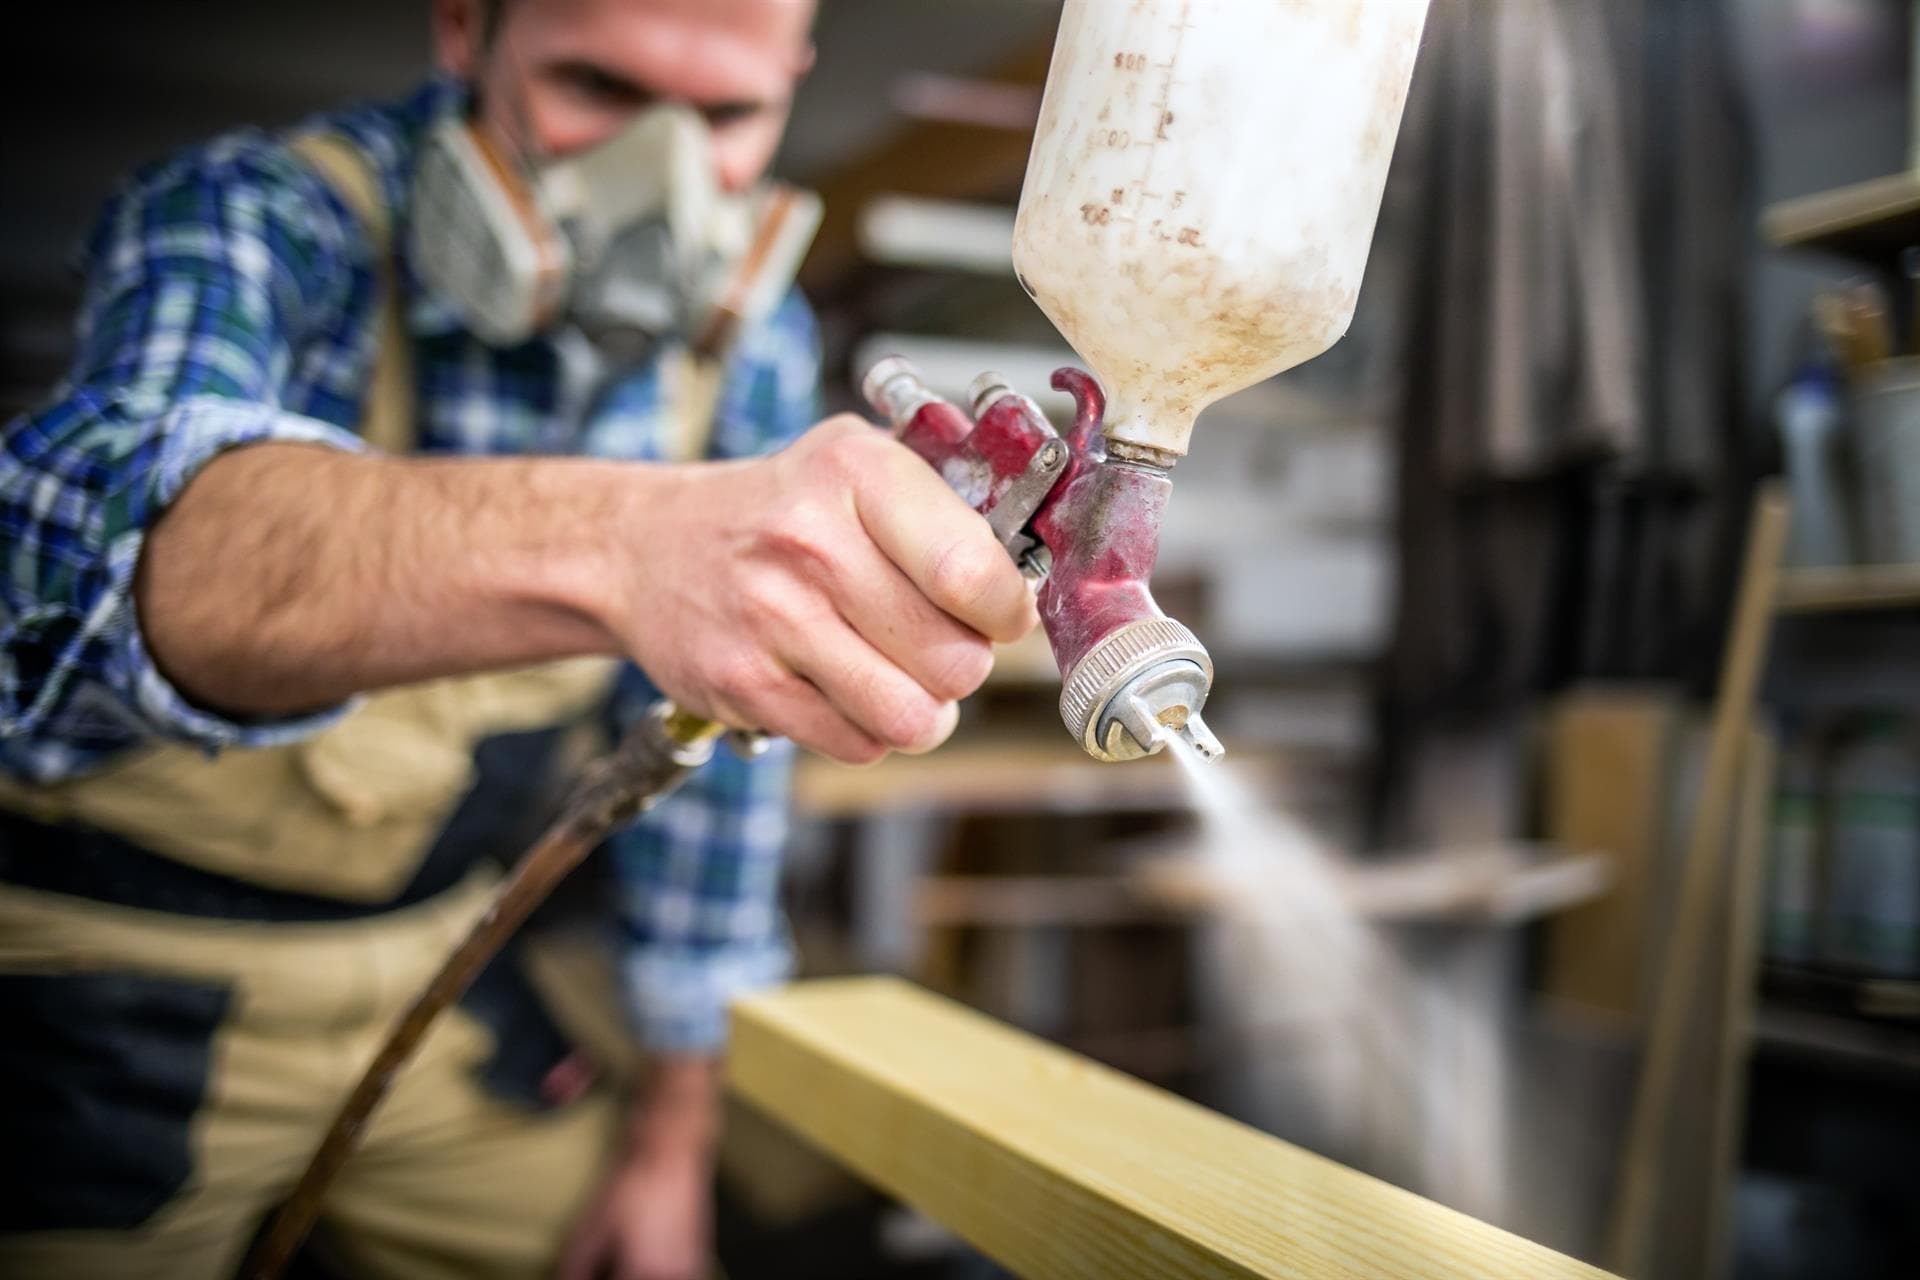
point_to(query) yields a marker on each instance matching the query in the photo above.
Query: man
(244, 689)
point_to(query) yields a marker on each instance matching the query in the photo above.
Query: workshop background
(1469, 581)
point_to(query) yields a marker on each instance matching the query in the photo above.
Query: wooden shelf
(1843, 995)
(1869, 221)
(1835, 1037)
(1042, 772)
(1497, 885)
(1890, 586)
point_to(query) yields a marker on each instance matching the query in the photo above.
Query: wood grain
(1060, 1169)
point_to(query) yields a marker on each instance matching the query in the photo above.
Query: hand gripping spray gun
(1196, 215)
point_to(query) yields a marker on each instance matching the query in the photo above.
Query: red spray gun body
(1086, 522)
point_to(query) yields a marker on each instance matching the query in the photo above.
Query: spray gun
(1082, 518)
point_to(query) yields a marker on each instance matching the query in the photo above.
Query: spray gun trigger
(1011, 517)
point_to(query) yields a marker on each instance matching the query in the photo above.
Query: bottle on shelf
(1810, 413)
(1873, 888)
(1793, 872)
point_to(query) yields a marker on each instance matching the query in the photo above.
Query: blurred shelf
(1492, 885)
(1787, 1029)
(1841, 995)
(1868, 221)
(1852, 587)
(912, 231)
(1032, 773)
(1466, 886)
(1036, 901)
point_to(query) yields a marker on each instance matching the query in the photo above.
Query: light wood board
(1683, 954)
(1608, 759)
(1738, 994)
(1060, 1169)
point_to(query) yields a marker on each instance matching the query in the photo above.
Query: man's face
(560, 76)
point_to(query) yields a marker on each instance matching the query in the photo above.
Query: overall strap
(352, 814)
(387, 415)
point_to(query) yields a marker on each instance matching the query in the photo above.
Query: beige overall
(450, 1181)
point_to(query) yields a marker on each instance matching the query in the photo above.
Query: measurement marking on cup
(1163, 113)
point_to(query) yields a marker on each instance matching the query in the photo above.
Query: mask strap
(490, 132)
(517, 177)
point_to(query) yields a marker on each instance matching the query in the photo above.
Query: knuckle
(963, 574)
(861, 751)
(908, 721)
(762, 608)
(742, 681)
(803, 538)
(846, 424)
(847, 444)
(964, 671)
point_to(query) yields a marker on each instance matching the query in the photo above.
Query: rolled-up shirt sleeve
(700, 879)
(204, 279)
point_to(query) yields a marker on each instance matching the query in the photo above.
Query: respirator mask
(631, 241)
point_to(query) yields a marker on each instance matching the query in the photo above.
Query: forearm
(287, 577)
(676, 1109)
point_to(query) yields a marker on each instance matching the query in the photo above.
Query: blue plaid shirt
(231, 299)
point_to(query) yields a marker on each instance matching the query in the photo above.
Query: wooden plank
(1608, 755)
(1060, 1169)
(1637, 1194)
(1874, 586)
(1744, 907)
(1870, 221)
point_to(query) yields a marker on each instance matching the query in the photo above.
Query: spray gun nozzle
(1137, 689)
(1200, 738)
(1154, 708)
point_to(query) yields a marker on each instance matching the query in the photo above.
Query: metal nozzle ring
(1120, 657)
